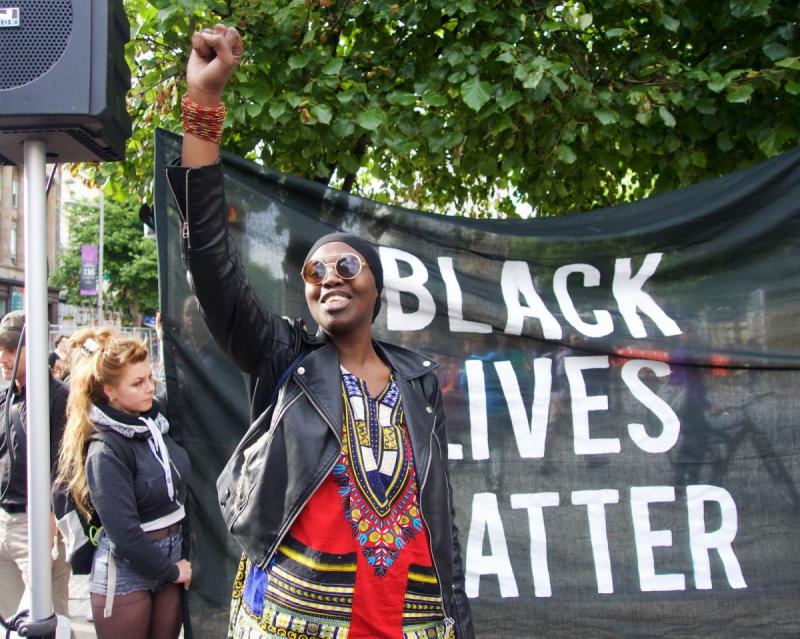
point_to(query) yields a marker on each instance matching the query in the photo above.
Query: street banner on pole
(88, 278)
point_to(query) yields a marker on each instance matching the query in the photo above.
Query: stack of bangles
(202, 121)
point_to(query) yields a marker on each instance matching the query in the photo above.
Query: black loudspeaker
(63, 79)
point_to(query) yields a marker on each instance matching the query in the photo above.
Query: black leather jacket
(310, 408)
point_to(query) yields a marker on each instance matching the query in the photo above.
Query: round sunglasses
(347, 266)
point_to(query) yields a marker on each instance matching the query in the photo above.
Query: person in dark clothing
(14, 473)
(58, 354)
(355, 531)
(137, 571)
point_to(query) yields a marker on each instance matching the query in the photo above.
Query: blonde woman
(138, 574)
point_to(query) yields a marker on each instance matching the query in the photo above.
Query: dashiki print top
(356, 564)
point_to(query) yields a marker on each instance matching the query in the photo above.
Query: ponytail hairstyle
(99, 357)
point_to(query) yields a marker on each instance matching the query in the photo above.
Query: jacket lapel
(420, 426)
(320, 377)
(408, 367)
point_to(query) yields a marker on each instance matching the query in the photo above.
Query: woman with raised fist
(353, 531)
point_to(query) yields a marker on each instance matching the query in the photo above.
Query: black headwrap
(366, 250)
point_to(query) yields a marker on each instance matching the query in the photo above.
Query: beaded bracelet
(202, 121)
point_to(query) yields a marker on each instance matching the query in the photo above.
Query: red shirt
(356, 562)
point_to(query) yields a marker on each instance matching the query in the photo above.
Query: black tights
(141, 615)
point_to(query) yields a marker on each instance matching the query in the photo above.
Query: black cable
(12, 624)
(24, 628)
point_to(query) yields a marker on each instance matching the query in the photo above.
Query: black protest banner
(620, 390)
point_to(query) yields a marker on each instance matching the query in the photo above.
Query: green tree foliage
(129, 260)
(454, 105)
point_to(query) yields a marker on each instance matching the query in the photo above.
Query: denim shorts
(128, 580)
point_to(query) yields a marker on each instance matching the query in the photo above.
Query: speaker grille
(32, 48)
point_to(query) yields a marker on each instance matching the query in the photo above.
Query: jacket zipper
(291, 520)
(449, 501)
(448, 621)
(184, 222)
(185, 226)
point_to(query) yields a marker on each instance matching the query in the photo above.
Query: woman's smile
(335, 300)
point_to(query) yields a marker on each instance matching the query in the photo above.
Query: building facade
(12, 237)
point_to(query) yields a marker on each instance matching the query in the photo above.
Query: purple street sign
(89, 269)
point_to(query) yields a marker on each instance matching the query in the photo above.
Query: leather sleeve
(244, 330)
(461, 614)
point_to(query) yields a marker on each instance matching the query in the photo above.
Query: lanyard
(160, 452)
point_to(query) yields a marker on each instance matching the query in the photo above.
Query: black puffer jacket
(305, 441)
